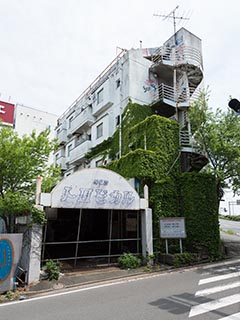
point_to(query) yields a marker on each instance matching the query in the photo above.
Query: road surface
(209, 292)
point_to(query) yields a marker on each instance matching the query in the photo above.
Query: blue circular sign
(6, 258)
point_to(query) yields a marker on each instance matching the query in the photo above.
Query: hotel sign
(95, 188)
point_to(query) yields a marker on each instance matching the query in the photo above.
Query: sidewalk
(95, 275)
(78, 278)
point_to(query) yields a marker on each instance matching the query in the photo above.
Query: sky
(51, 50)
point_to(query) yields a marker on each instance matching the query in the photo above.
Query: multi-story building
(25, 119)
(166, 77)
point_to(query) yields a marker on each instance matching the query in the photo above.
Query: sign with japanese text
(95, 188)
(10, 251)
(7, 112)
(172, 228)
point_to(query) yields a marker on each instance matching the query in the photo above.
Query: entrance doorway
(90, 236)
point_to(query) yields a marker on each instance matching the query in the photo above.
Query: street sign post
(172, 228)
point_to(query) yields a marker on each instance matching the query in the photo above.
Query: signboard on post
(172, 228)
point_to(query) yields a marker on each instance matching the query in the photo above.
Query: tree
(218, 135)
(21, 161)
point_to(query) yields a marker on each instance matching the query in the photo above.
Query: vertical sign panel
(7, 112)
(10, 252)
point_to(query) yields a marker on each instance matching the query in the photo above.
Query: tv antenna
(172, 15)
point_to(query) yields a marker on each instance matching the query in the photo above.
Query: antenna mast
(171, 15)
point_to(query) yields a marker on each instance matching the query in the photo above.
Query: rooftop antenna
(171, 15)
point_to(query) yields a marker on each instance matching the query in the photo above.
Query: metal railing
(185, 138)
(76, 257)
(180, 55)
(181, 95)
(95, 81)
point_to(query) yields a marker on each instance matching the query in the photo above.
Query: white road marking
(214, 305)
(235, 316)
(206, 292)
(219, 278)
(86, 288)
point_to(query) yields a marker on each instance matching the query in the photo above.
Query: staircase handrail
(182, 54)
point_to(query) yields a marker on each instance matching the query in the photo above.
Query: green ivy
(151, 154)
(133, 114)
(199, 206)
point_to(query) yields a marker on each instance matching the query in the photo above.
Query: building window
(70, 122)
(100, 130)
(99, 163)
(117, 120)
(69, 148)
(118, 82)
(100, 96)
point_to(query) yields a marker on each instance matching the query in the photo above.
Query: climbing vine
(151, 154)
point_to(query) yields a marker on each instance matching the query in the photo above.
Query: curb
(170, 269)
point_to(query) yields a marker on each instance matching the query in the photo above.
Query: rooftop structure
(166, 78)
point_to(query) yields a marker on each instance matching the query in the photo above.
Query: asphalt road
(228, 225)
(209, 292)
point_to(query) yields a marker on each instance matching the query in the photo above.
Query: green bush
(52, 269)
(186, 258)
(129, 261)
(38, 216)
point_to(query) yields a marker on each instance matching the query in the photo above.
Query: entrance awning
(94, 189)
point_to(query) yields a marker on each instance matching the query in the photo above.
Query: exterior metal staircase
(178, 73)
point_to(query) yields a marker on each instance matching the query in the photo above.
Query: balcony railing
(61, 162)
(180, 55)
(82, 120)
(78, 153)
(62, 136)
(170, 96)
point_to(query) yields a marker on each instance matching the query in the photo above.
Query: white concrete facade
(27, 119)
(95, 115)
(170, 74)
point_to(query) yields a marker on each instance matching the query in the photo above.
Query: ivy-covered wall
(193, 196)
(132, 115)
(199, 206)
(151, 153)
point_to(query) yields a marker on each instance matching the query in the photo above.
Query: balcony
(103, 99)
(78, 153)
(62, 136)
(61, 162)
(82, 121)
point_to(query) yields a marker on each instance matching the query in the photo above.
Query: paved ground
(90, 276)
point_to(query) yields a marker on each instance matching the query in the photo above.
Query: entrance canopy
(94, 189)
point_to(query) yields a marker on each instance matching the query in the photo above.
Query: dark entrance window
(87, 235)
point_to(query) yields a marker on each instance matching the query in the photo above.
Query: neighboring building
(25, 119)
(167, 77)
(28, 119)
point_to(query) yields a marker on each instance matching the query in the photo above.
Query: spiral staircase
(178, 74)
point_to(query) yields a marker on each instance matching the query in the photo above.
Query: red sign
(7, 112)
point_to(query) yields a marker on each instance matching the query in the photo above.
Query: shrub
(52, 269)
(129, 261)
(186, 258)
